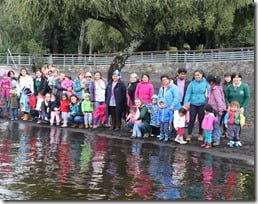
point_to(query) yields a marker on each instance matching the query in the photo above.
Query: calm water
(43, 163)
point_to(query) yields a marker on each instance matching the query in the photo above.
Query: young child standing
(153, 109)
(165, 118)
(179, 125)
(99, 114)
(67, 84)
(87, 110)
(208, 125)
(55, 110)
(5, 85)
(13, 104)
(234, 120)
(133, 118)
(64, 109)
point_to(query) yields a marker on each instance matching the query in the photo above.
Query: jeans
(164, 128)
(76, 119)
(233, 132)
(207, 136)
(14, 113)
(140, 129)
(87, 118)
(217, 130)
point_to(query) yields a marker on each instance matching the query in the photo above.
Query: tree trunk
(120, 59)
(81, 38)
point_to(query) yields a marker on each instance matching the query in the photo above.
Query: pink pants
(55, 115)
(181, 131)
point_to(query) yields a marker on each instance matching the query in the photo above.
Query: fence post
(19, 59)
(152, 58)
(29, 59)
(212, 55)
(242, 54)
(64, 61)
(167, 57)
(185, 57)
(7, 59)
(94, 58)
(72, 60)
(141, 57)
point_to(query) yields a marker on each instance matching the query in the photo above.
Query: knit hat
(154, 96)
(86, 94)
(116, 72)
(88, 74)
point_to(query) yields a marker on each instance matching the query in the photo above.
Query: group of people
(90, 101)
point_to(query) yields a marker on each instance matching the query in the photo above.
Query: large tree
(137, 21)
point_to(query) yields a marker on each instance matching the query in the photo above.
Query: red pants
(181, 131)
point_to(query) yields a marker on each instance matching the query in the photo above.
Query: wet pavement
(50, 163)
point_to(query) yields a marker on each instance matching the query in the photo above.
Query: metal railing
(185, 56)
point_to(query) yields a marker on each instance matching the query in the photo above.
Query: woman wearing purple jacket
(217, 101)
(97, 89)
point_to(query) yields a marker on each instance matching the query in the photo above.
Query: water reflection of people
(99, 147)
(63, 156)
(86, 155)
(208, 173)
(5, 159)
(141, 184)
(55, 134)
(160, 171)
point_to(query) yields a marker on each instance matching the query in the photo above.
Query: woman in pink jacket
(144, 89)
(217, 101)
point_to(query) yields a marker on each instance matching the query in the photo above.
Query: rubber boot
(204, 144)
(181, 139)
(162, 137)
(177, 139)
(166, 138)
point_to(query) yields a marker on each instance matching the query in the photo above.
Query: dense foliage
(97, 26)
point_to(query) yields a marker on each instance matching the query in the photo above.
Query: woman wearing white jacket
(25, 88)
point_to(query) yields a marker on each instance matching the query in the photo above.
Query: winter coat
(144, 91)
(43, 87)
(66, 84)
(216, 98)
(179, 121)
(13, 101)
(171, 96)
(75, 109)
(165, 115)
(187, 82)
(77, 87)
(100, 112)
(65, 105)
(197, 92)
(87, 106)
(154, 108)
(234, 118)
(6, 85)
(120, 97)
(131, 93)
(55, 105)
(45, 107)
(208, 121)
(92, 89)
(145, 116)
(25, 81)
(241, 95)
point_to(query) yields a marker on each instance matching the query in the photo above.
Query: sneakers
(237, 144)
(86, 126)
(231, 143)
(200, 138)
(208, 146)
(146, 135)
(217, 143)
(177, 139)
(203, 145)
(166, 138)
(162, 137)
(64, 125)
(180, 140)
(188, 138)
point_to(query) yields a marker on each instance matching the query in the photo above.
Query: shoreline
(220, 151)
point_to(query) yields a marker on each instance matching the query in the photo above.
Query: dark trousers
(115, 119)
(164, 128)
(155, 130)
(233, 132)
(194, 110)
(222, 122)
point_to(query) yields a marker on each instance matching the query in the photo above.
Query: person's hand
(46, 118)
(176, 129)
(149, 111)
(242, 110)
(220, 112)
(170, 124)
(226, 126)
(158, 123)
(171, 107)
